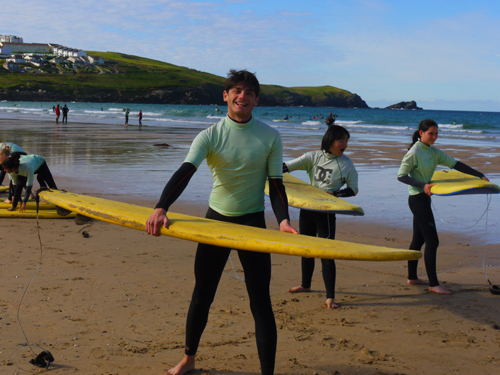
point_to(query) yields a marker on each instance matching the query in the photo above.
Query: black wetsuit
(323, 225)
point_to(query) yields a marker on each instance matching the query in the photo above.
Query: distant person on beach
(140, 118)
(65, 111)
(53, 108)
(286, 118)
(7, 150)
(242, 153)
(329, 170)
(58, 113)
(127, 112)
(22, 170)
(416, 170)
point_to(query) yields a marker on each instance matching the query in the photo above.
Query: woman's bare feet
(7, 201)
(299, 289)
(330, 304)
(184, 366)
(417, 282)
(439, 290)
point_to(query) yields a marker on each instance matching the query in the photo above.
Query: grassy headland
(132, 79)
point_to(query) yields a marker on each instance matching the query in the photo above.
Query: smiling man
(241, 153)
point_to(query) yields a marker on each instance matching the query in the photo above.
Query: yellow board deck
(3, 188)
(452, 182)
(305, 196)
(224, 234)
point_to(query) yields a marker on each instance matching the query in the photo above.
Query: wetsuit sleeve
(176, 185)
(411, 181)
(28, 192)
(2, 175)
(304, 162)
(285, 168)
(461, 167)
(344, 193)
(279, 200)
(351, 181)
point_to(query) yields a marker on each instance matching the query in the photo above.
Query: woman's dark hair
(243, 77)
(424, 126)
(333, 133)
(12, 162)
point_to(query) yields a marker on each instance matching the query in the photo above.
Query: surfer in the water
(417, 168)
(22, 170)
(242, 153)
(329, 170)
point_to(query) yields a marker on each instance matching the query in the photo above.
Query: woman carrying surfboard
(22, 170)
(329, 170)
(417, 168)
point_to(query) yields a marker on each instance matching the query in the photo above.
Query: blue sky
(443, 54)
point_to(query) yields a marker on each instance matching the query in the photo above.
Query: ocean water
(459, 125)
(96, 150)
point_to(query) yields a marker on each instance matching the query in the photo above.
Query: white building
(5, 51)
(59, 50)
(96, 60)
(27, 47)
(11, 38)
(18, 59)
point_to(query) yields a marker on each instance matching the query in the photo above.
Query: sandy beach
(116, 302)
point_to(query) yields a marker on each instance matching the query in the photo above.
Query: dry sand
(116, 303)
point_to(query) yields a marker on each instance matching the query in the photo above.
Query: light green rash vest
(420, 163)
(326, 171)
(241, 157)
(29, 164)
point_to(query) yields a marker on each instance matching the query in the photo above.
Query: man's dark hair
(333, 133)
(243, 77)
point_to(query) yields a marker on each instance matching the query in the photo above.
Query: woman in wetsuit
(8, 149)
(22, 170)
(328, 169)
(417, 168)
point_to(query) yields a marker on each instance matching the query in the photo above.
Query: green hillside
(126, 79)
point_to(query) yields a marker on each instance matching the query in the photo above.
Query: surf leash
(494, 289)
(45, 358)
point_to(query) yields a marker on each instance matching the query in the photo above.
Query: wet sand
(116, 302)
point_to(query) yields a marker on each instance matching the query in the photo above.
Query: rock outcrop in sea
(404, 105)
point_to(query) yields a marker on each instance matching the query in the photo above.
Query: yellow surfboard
(31, 205)
(3, 188)
(307, 197)
(224, 234)
(452, 182)
(30, 214)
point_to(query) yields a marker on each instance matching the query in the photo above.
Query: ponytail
(5, 150)
(423, 126)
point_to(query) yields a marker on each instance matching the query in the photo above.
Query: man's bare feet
(330, 304)
(183, 367)
(417, 282)
(439, 290)
(7, 201)
(299, 289)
